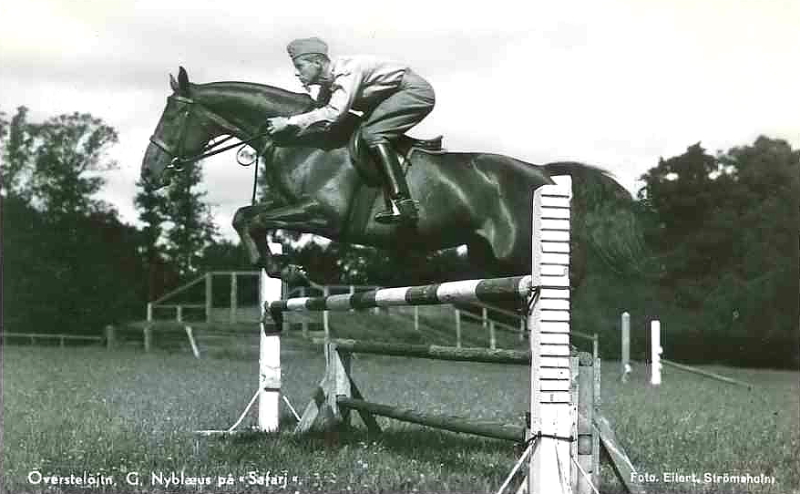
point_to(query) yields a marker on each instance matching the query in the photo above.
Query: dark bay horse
(477, 199)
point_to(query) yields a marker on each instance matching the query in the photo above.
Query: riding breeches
(401, 110)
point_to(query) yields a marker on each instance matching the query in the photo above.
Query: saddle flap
(364, 162)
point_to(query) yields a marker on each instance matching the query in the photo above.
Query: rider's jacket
(357, 82)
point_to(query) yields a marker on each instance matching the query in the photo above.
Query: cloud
(617, 83)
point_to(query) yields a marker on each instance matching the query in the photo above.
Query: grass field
(126, 414)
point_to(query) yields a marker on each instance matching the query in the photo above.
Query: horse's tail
(604, 218)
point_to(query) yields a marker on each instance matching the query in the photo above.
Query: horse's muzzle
(152, 182)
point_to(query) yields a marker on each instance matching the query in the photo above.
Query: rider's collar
(326, 77)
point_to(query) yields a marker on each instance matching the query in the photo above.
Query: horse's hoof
(272, 321)
(295, 275)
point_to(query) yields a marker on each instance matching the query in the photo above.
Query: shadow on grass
(446, 449)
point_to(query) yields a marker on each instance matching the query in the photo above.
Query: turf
(118, 413)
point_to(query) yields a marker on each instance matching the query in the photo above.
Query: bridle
(177, 155)
(178, 158)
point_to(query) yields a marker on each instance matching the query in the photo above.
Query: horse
(480, 200)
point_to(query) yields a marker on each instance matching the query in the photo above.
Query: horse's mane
(259, 98)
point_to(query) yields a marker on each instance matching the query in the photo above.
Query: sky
(613, 83)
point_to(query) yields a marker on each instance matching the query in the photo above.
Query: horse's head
(178, 135)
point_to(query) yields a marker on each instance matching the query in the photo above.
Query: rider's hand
(277, 124)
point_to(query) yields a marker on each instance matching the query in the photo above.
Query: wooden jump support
(563, 434)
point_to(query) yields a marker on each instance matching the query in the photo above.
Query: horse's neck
(245, 106)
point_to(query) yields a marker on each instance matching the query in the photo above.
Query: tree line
(720, 233)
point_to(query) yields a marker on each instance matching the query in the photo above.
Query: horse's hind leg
(482, 262)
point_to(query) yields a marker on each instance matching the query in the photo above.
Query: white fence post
(209, 296)
(234, 297)
(625, 361)
(655, 353)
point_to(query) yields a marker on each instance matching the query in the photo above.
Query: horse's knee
(241, 218)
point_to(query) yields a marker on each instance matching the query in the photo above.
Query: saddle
(405, 147)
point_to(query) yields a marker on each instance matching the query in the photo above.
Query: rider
(392, 97)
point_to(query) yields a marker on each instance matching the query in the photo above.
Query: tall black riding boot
(401, 207)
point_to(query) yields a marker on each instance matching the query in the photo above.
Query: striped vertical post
(269, 361)
(552, 407)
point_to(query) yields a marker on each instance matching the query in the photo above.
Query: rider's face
(307, 71)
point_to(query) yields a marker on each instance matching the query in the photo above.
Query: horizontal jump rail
(487, 290)
(50, 336)
(499, 325)
(705, 373)
(447, 422)
(433, 352)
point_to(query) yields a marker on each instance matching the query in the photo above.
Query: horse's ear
(173, 83)
(183, 81)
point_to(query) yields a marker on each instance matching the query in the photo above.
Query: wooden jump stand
(566, 429)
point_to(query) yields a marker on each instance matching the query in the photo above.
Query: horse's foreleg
(255, 245)
(253, 222)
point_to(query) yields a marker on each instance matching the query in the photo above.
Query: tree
(193, 226)
(17, 143)
(54, 164)
(727, 232)
(152, 213)
(69, 264)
